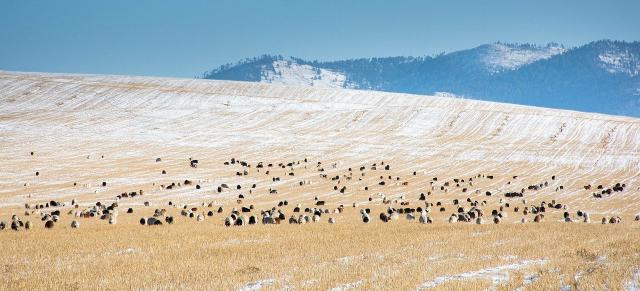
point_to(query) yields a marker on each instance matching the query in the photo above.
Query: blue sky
(185, 38)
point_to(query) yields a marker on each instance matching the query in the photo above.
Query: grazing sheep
(615, 219)
(200, 218)
(241, 220)
(384, 217)
(423, 217)
(637, 217)
(316, 218)
(538, 217)
(49, 224)
(169, 219)
(523, 220)
(479, 220)
(332, 220)
(112, 220)
(2, 225)
(410, 217)
(75, 224)
(586, 217)
(497, 219)
(143, 221)
(453, 218)
(151, 221)
(15, 225)
(229, 221)
(605, 220)
(365, 217)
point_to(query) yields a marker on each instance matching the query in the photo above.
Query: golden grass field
(90, 129)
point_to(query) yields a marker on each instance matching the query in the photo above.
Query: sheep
(229, 221)
(410, 217)
(2, 225)
(241, 220)
(15, 225)
(152, 221)
(605, 220)
(268, 219)
(615, 219)
(331, 220)
(384, 217)
(453, 218)
(586, 217)
(365, 217)
(301, 219)
(112, 220)
(479, 220)
(316, 218)
(538, 217)
(497, 219)
(637, 218)
(49, 224)
(200, 217)
(75, 224)
(423, 217)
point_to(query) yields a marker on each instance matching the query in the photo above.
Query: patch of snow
(620, 62)
(448, 95)
(290, 73)
(348, 286)
(257, 285)
(632, 284)
(501, 57)
(497, 274)
(123, 252)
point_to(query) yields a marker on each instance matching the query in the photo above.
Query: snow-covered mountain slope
(620, 62)
(499, 57)
(602, 76)
(288, 72)
(71, 121)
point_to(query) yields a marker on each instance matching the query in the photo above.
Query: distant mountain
(602, 76)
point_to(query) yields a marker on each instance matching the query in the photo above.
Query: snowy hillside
(499, 57)
(620, 62)
(128, 118)
(288, 72)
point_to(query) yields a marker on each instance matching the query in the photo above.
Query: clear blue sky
(185, 38)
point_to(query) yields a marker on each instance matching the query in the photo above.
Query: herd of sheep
(419, 209)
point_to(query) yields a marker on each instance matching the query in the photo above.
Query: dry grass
(319, 256)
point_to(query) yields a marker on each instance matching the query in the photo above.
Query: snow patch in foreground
(347, 286)
(632, 285)
(257, 285)
(497, 274)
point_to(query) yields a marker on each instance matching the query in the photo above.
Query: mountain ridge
(602, 76)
